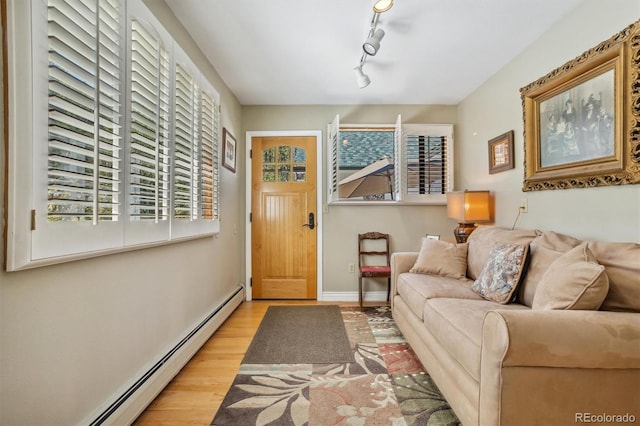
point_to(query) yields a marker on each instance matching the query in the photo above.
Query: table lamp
(467, 207)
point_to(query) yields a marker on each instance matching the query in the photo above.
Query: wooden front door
(283, 197)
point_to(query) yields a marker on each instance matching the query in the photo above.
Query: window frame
(401, 190)
(31, 239)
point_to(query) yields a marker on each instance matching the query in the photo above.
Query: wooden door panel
(285, 256)
(283, 195)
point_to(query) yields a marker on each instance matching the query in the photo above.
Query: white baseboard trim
(125, 408)
(352, 296)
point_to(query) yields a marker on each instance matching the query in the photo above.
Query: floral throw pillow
(501, 275)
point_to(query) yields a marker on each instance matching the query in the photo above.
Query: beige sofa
(511, 364)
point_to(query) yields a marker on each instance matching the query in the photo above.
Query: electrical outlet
(524, 205)
(351, 268)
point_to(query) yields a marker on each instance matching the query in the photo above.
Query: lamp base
(463, 231)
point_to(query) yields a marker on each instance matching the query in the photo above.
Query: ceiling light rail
(371, 45)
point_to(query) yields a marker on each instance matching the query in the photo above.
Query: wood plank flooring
(195, 394)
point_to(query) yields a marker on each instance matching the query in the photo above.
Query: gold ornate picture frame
(582, 120)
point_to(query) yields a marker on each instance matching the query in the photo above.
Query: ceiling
(302, 52)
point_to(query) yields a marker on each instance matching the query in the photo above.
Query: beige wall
(342, 224)
(73, 336)
(608, 213)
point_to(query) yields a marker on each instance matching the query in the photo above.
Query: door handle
(312, 222)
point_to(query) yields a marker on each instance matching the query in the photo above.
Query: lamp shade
(468, 206)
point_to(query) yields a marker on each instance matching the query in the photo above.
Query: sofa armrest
(558, 338)
(551, 367)
(400, 262)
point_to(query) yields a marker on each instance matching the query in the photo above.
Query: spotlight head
(372, 43)
(382, 6)
(362, 79)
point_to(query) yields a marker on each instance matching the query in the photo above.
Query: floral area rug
(386, 385)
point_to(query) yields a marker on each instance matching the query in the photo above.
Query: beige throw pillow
(501, 275)
(573, 281)
(441, 258)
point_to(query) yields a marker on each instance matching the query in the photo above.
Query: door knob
(312, 223)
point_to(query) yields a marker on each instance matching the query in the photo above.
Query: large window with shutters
(113, 133)
(389, 164)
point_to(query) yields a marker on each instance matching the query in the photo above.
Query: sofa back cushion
(622, 264)
(441, 258)
(484, 239)
(543, 251)
(574, 281)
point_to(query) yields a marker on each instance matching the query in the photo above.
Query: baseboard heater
(118, 403)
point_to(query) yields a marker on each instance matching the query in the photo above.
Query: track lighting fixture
(372, 44)
(362, 79)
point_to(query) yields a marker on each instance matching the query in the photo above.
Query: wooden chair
(370, 260)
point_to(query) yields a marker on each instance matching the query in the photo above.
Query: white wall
(74, 335)
(608, 213)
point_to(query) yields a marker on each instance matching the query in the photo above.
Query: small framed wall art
(228, 150)
(501, 153)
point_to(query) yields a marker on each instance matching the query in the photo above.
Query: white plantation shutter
(149, 173)
(196, 148)
(85, 111)
(333, 135)
(210, 159)
(103, 128)
(428, 157)
(399, 161)
(75, 131)
(196, 129)
(184, 125)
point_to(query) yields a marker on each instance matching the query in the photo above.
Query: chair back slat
(364, 251)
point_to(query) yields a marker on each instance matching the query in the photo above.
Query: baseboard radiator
(128, 406)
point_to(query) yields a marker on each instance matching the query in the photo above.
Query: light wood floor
(195, 394)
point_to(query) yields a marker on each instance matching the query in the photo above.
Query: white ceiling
(297, 52)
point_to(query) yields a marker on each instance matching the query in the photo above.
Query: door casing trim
(319, 204)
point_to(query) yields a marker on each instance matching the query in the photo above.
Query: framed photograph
(228, 150)
(582, 120)
(501, 153)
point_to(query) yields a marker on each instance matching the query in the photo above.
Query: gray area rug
(300, 335)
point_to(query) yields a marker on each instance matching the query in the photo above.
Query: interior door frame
(319, 201)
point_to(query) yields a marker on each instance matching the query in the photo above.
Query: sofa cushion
(543, 251)
(482, 240)
(457, 325)
(574, 281)
(441, 258)
(415, 289)
(501, 275)
(621, 261)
